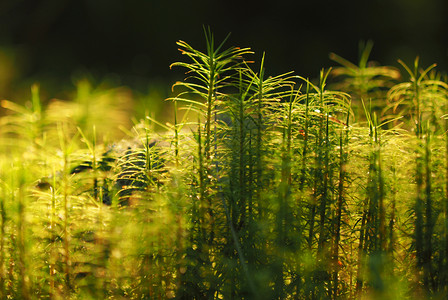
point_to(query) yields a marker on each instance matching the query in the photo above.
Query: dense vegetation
(261, 187)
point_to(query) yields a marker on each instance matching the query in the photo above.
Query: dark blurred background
(132, 42)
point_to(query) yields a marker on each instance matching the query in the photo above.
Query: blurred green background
(132, 42)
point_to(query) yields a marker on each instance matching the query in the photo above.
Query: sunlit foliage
(261, 187)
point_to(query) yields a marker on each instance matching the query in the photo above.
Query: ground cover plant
(260, 187)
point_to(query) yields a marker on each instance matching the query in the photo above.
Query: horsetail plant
(365, 80)
(422, 96)
(269, 194)
(343, 156)
(210, 71)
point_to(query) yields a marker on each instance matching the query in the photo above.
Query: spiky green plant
(260, 190)
(364, 81)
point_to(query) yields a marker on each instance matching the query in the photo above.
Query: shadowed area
(133, 42)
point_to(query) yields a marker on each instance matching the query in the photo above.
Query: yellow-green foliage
(267, 188)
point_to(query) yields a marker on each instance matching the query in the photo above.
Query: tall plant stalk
(429, 275)
(417, 94)
(343, 141)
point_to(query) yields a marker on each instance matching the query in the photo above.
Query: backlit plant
(263, 187)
